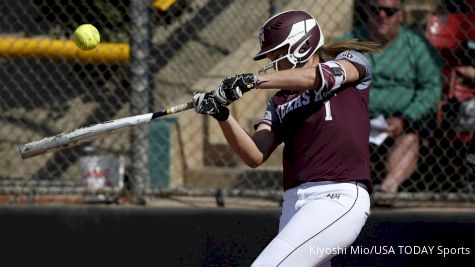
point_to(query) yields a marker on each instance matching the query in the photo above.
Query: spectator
(470, 157)
(468, 73)
(450, 29)
(406, 87)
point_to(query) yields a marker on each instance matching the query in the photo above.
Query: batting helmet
(296, 29)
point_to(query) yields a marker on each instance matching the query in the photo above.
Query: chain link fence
(154, 54)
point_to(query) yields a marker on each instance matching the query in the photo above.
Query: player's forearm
(310, 78)
(241, 142)
(294, 79)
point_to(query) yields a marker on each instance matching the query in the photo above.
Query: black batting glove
(222, 114)
(232, 88)
(205, 103)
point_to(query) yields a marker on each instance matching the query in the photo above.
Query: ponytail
(330, 51)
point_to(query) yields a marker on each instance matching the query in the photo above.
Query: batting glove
(205, 103)
(232, 88)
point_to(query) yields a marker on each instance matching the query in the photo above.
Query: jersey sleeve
(360, 59)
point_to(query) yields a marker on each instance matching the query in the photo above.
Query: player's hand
(232, 88)
(205, 103)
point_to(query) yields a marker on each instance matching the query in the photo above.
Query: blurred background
(81, 204)
(154, 54)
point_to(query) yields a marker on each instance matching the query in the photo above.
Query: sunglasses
(389, 11)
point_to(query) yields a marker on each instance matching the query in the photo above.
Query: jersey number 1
(328, 111)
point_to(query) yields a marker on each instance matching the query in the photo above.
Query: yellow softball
(86, 37)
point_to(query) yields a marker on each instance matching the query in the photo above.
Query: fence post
(272, 7)
(140, 43)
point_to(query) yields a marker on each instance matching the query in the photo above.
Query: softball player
(321, 116)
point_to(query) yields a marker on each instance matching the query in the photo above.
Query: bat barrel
(23, 154)
(78, 136)
(75, 137)
(48, 145)
(27, 151)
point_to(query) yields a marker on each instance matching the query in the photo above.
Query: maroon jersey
(325, 132)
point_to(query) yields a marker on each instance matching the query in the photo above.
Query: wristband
(222, 114)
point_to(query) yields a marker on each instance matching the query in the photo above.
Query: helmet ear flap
(307, 45)
(304, 47)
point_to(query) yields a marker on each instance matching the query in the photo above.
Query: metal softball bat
(85, 134)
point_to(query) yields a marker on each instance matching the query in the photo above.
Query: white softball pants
(318, 220)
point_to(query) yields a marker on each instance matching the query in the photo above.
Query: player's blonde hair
(330, 51)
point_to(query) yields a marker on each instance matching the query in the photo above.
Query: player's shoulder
(351, 55)
(356, 57)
